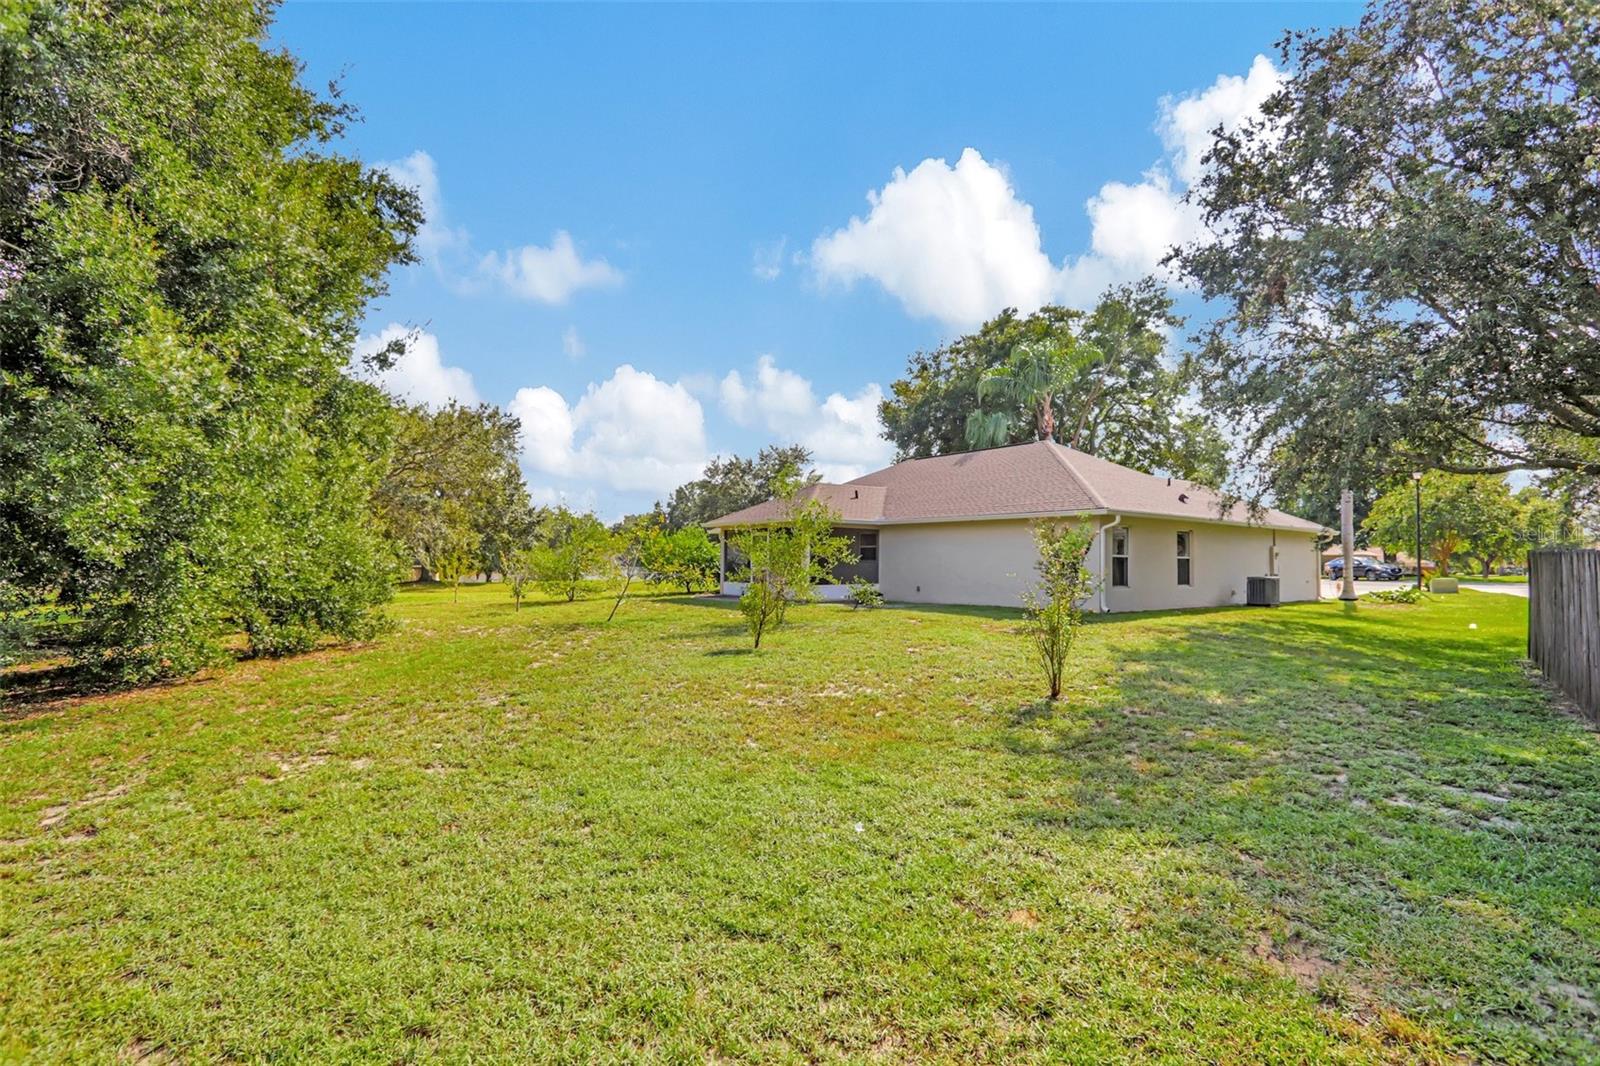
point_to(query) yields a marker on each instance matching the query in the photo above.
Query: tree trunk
(626, 581)
(1045, 418)
(1347, 536)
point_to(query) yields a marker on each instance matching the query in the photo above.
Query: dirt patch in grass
(1295, 959)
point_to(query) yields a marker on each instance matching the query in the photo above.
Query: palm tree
(1027, 381)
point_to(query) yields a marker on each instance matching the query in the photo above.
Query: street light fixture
(1416, 479)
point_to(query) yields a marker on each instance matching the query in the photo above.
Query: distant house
(1336, 551)
(957, 529)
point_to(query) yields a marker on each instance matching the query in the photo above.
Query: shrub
(864, 593)
(1409, 594)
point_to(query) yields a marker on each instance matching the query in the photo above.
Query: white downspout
(1105, 573)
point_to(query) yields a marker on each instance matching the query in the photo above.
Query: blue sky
(661, 233)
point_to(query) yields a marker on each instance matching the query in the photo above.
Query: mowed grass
(1289, 835)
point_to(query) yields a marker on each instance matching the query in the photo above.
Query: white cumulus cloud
(957, 243)
(776, 396)
(547, 429)
(436, 236)
(952, 243)
(548, 274)
(847, 439)
(532, 272)
(631, 432)
(1186, 123)
(418, 376)
(842, 432)
(1133, 226)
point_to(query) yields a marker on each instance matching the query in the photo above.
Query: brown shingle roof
(1023, 480)
(853, 504)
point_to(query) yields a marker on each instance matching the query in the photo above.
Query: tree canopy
(686, 557)
(184, 262)
(1467, 517)
(1104, 382)
(577, 552)
(734, 483)
(1408, 248)
(453, 480)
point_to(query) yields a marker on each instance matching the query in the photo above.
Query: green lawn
(1291, 835)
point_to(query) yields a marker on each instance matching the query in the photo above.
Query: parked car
(1365, 570)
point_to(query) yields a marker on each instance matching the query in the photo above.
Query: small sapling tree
(630, 546)
(1055, 606)
(455, 555)
(786, 559)
(521, 572)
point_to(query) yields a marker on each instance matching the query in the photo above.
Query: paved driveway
(1330, 589)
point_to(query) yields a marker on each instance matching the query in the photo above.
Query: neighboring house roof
(1020, 481)
(1337, 550)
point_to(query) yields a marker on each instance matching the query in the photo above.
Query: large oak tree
(1408, 249)
(184, 262)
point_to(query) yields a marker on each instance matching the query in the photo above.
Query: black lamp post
(1416, 479)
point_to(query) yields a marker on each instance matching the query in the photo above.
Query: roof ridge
(1059, 451)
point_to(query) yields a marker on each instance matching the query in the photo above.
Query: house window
(1119, 558)
(1184, 559)
(864, 546)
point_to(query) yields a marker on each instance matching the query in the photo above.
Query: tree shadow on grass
(33, 691)
(1036, 711)
(1415, 818)
(1002, 614)
(702, 599)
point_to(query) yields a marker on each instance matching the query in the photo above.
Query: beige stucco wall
(987, 563)
(991, 563)
(1221, 558)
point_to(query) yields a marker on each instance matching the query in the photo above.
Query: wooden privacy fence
(1564, 622)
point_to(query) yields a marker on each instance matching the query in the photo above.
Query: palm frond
(988, 429)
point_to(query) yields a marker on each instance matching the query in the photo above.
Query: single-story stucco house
(957, 529)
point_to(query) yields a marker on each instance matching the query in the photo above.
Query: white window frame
(1126, 555)
(1185, 554)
